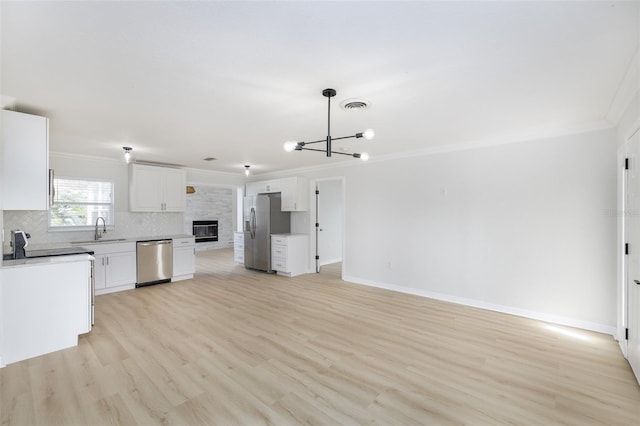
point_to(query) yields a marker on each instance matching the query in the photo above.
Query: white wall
(524, 228)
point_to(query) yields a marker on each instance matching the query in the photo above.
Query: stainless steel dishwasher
(154, 262)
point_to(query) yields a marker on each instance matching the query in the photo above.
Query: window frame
(71, 228)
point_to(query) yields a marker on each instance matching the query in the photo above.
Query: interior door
(632, 223)
(330, 215)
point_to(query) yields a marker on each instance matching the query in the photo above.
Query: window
(79, 202)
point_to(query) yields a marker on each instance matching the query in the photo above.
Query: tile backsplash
(127, 225)
(207, 203)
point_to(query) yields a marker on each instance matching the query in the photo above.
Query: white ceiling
(181, 81)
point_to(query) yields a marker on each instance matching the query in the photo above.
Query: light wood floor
(239, 347)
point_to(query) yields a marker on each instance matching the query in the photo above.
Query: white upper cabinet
(175, 190)
(25, 165)
(264, 187)
(294, 192)
(156, 189)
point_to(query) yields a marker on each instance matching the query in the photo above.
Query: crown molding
(73, 156)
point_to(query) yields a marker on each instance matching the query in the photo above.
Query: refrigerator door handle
(253, 223)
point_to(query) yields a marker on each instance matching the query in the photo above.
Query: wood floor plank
(239, 347)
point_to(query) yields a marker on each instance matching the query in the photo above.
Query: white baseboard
(330, 261)
(181, 278)
(555, 319)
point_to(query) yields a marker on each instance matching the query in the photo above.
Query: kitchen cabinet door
(175, 184)
(100, 266)
(184, 261)
(115, 266)
(295, 194)
(157, 189)
(145, 190)
(184, 258)
(120, 269)
(25, 165)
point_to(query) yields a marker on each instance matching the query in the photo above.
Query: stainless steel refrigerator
(262, 217)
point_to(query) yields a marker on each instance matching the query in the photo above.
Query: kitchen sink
(113, 240)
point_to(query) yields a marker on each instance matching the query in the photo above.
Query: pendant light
(127, 153)
(300, 146)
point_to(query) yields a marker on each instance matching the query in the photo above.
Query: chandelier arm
(344, 137)
(311, 149)
(307, 143)
(344, 153)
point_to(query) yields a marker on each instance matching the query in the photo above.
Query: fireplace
(205, 230)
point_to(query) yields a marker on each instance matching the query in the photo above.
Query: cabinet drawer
(279, 240)
(184, 242)
(279, 264)
(278, 250)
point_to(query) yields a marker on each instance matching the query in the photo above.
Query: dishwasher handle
(153, 243)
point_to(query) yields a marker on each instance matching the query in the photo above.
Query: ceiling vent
(355, 104)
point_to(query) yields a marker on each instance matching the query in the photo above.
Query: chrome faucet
(98, 234)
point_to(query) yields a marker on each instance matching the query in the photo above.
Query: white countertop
(17, 263)
(87, 244)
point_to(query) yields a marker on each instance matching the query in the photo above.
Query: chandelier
(300, 146)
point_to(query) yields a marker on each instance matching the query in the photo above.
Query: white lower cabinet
(289, 254)
(184, 258)
(238, 247)
(115, 266)
(44, 305)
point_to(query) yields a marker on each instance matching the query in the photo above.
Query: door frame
(623, 264)
(313, 183)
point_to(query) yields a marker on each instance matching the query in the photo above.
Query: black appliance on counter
(18, 243)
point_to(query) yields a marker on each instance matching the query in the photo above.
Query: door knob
(636, 281)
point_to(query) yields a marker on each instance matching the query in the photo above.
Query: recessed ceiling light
(209, 159)
(355, 103)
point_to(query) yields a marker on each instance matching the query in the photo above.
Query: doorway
(329, 225)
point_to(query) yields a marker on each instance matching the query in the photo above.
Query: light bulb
(364, 156)
(246, 170)
(368, 134)
(127, 153)
(290, 145)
